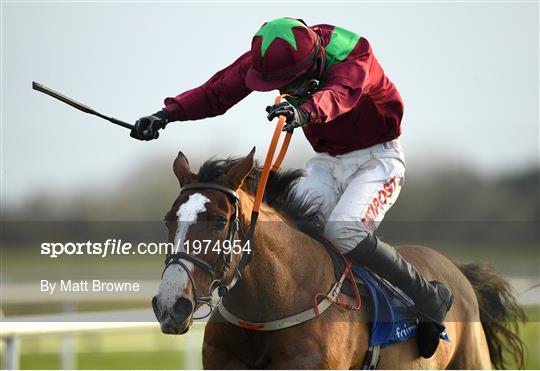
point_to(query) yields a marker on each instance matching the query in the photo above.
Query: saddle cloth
(393, 319)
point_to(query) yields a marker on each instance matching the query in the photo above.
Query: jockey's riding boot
(432, 299)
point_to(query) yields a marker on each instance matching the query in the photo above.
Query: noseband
(217, 286)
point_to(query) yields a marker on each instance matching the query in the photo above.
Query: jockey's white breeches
(355, 190)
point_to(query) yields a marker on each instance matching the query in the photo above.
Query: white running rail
(15, 327)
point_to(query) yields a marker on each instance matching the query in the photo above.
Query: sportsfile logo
(113, 246)
(380, 200)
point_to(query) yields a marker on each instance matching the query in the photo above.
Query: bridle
(217, 288)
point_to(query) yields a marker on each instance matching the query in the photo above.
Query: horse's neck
(287, 268)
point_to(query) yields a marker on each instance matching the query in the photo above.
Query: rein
(267, 167)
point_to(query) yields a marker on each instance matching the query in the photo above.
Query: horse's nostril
(155, 307)
(182, 309)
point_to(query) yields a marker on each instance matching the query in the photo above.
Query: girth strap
(286, 322)
(289, 321)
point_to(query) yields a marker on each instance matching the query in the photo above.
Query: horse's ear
(182, 170)
(237, 173)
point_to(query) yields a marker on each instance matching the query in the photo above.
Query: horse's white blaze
(175, 279)
(187, 215)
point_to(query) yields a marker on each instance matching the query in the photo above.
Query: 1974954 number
(226, 247)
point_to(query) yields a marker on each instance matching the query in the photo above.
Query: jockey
(350, 112)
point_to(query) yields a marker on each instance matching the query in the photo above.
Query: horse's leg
(321, 344)
(218, 359)
(219, 350)
(336, 341)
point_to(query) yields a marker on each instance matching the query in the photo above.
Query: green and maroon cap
(281, 51)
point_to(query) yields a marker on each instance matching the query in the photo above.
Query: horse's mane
(301, 210)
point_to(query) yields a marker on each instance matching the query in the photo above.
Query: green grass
(165, 360)
(530, 333)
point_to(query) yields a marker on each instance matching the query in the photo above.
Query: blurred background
(468, 74)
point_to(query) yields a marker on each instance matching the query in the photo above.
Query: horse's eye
(220, 223)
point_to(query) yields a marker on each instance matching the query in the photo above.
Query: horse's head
(203, 225)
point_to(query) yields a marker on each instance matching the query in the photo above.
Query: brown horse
(288, 267)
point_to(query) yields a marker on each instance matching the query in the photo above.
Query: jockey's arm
(222, 91)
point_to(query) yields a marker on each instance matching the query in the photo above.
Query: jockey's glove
(294, 117)
(146, 128)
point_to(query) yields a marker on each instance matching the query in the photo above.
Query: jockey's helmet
(281, 51)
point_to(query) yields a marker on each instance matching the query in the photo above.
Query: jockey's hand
(146, 128)
(294, 117)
